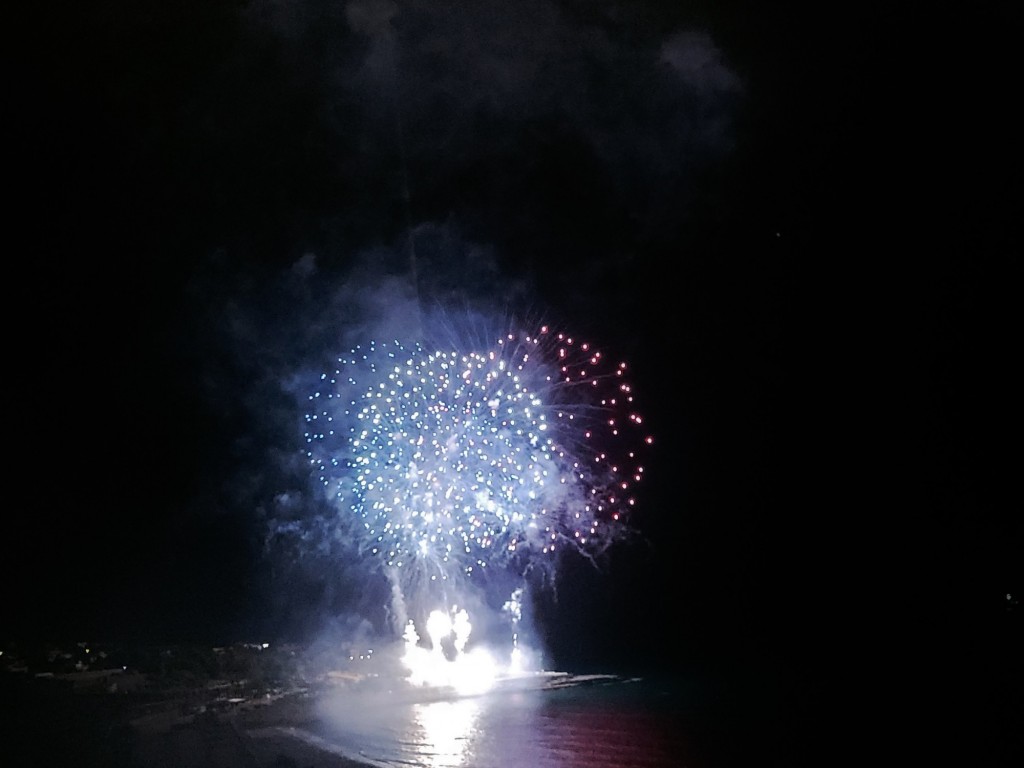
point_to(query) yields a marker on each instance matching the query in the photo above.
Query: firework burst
(446, 464)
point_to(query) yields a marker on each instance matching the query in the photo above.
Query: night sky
(801, 226)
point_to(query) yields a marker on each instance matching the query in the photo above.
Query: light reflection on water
(611, 726)
(448, 728)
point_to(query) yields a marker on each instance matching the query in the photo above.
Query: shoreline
(305, 748)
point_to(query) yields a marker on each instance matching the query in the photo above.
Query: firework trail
(449, 467)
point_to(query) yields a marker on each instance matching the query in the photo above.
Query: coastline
(269, 736)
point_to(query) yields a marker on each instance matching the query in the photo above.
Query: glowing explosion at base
(459, 470)
(466, 673)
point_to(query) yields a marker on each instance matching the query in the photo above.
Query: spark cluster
(445, 463)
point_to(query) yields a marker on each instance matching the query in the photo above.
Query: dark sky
(800, 225)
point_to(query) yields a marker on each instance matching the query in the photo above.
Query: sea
(554, 721)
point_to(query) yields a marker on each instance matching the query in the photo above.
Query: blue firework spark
(444, 463)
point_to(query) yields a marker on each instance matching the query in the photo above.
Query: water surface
(592, 722)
